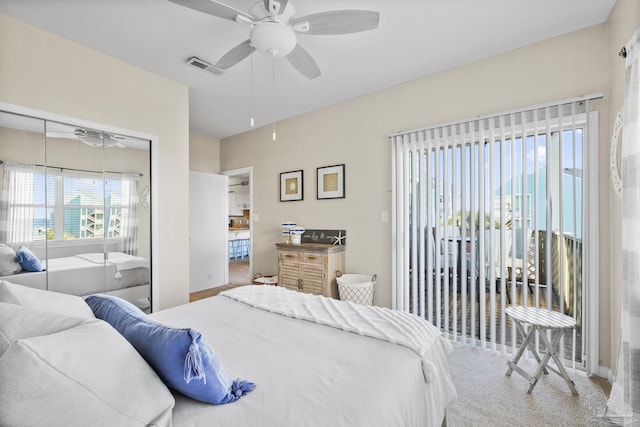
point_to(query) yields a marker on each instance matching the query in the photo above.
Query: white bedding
(308, 374)
(76, 275)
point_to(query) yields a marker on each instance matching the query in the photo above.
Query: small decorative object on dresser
(310, 267)
(330, 182)
(295, 234)
(291, 186)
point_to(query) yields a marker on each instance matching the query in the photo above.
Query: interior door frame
(245, 171)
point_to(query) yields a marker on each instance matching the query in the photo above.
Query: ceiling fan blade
(235, 55)
(283, 5)
(337, 22)
(303, 62)
(214, 8)
(67, 135)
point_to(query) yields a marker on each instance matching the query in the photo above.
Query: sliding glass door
(489, 213)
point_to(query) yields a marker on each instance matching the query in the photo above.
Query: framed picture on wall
(291, 186)
(330, 182)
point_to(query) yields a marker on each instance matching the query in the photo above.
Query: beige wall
(623, 21)
(44, 72)
(204, 153)
(355, 133)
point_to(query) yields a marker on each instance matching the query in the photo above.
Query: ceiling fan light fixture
(99, 139)
(94, 141)
(273, 38)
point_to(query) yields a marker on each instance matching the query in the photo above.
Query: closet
(74, 208)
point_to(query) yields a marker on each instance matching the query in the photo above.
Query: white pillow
(85, 375)
(70, 305)
(19, 321)
(8, 262)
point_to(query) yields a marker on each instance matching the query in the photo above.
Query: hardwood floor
(238, 276)
(239, 272)
(210, 292)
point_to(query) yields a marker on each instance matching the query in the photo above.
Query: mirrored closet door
(74, 209)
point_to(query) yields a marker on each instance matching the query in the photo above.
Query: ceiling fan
(91, 137)
(274, 27)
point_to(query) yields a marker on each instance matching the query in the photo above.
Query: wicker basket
(259, 279)
(356, 288)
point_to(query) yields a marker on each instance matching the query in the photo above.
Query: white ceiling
(415, 38)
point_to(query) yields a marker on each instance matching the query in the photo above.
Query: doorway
(240, 237)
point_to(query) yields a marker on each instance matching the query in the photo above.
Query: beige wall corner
(204, 153)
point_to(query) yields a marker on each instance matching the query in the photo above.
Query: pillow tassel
(240, 387)
(193, 367)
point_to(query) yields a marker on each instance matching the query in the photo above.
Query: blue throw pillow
(27, 260)
(180, 357)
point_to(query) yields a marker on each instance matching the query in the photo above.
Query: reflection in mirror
(23, 225)
(92, 234)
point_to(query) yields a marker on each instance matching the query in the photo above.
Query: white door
(208, 225)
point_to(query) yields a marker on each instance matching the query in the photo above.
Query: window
(61, 205)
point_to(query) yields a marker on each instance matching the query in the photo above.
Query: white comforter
(86, 274)
(309, 374)
(120, 260)
(376, 322)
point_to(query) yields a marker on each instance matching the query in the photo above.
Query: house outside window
(76, 206)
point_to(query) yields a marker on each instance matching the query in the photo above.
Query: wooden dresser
(310, 267)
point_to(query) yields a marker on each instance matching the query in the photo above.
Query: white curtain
(623, 407)
(128, 239)
(17, 204)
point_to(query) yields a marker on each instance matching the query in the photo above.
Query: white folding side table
(528, 320)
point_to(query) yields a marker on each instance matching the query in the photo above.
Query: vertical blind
(488, 213)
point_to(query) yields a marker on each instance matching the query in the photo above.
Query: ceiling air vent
(203, 65)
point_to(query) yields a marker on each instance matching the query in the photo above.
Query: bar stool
(244, 248)
(528, 320)
(234, 249)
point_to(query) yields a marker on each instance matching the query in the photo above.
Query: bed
(311, 366)
(122, 275)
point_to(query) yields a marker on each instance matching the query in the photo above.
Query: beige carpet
(487, 397)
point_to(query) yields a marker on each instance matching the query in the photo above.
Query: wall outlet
(385, 216)
(256, 217)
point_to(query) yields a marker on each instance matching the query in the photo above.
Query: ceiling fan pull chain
(273, 75)
(251, 92)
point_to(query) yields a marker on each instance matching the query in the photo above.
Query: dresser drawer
(289, 256)
(311, 258)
